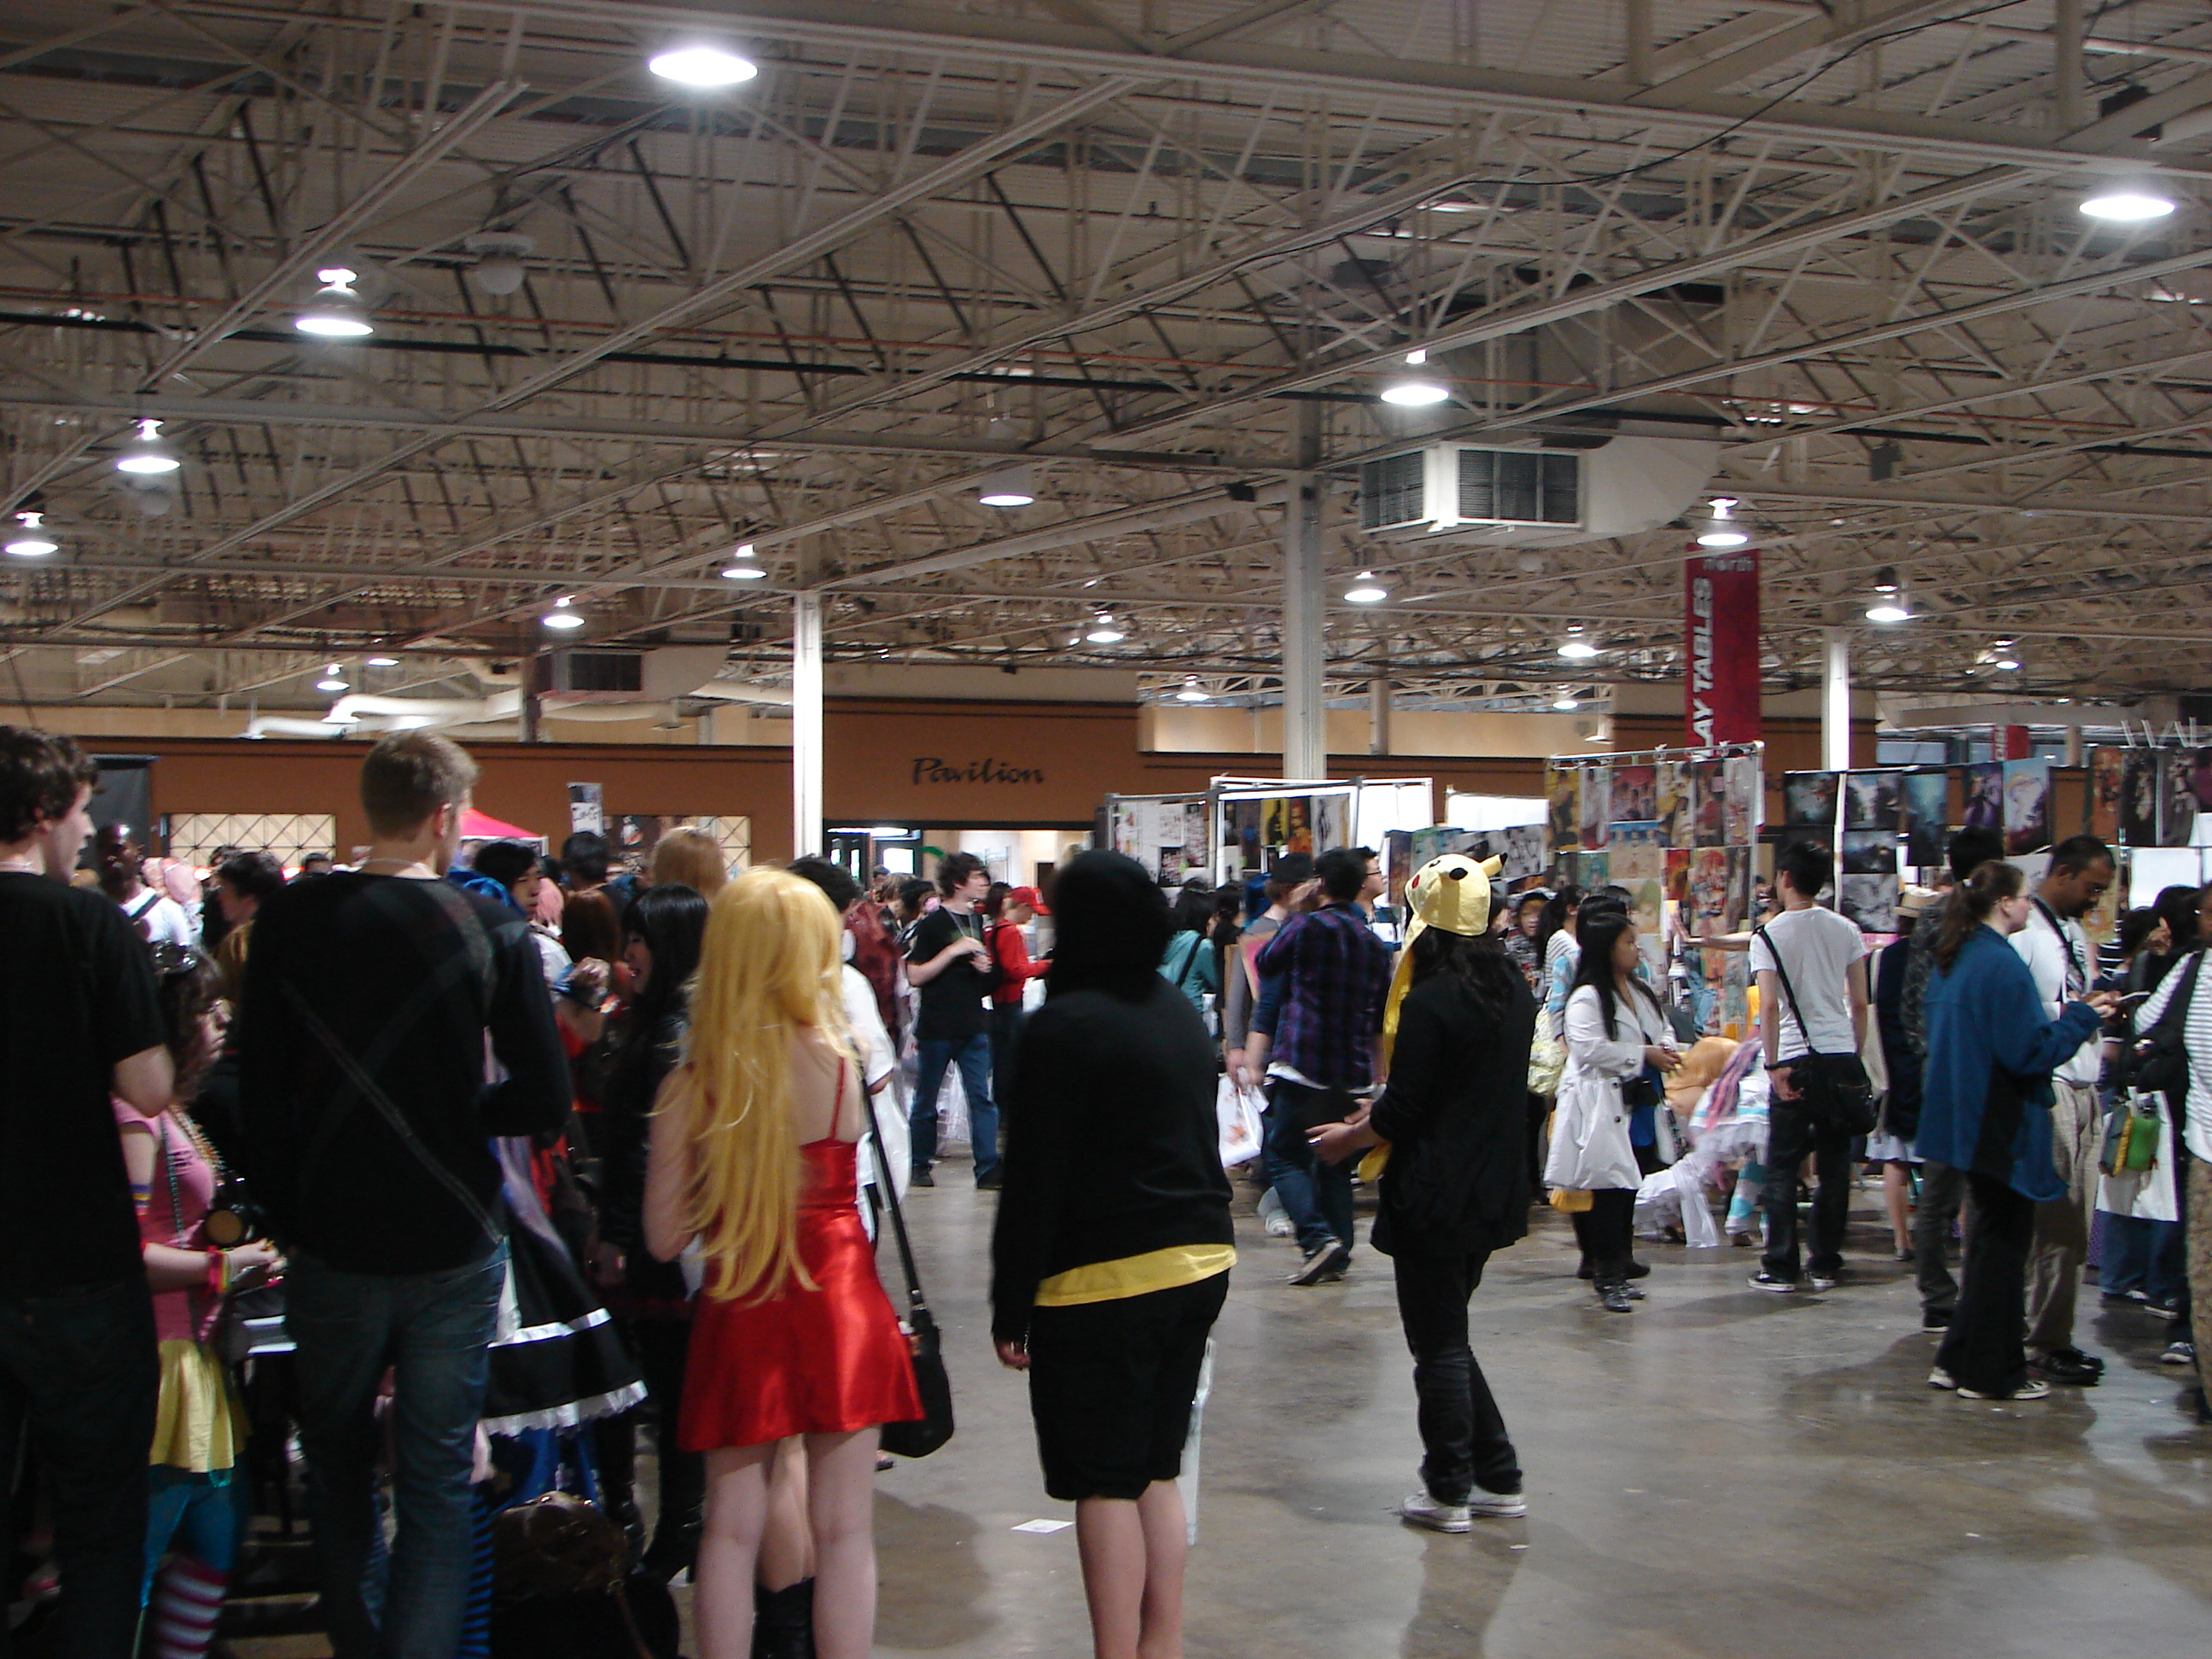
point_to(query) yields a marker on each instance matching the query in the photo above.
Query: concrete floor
(1721, 1474)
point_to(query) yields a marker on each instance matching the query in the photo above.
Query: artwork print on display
(1597, 806)
(1709, 804)
(1563, 801)
(1808, 798)
(1870, 901)
(1984, 782)
(1744, 805)
(1635, 794)
(1870, 800)
(1670, 802)
(2140, 773)
(2179, 803)
(1926, 800)
(1870, 853)
(2027, 806)
(2107, 778)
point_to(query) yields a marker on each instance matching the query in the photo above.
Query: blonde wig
(692, 857)
(768, 969)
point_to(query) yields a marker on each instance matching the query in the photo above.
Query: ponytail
(1971, 905)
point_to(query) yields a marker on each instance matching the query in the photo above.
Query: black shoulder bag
(934, 1427)
(1834, 1089)
(2157, 1062)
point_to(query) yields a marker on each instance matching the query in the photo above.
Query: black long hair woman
(1455, 1187)
(1111, 1255)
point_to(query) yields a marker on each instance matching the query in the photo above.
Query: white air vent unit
(1533, 497)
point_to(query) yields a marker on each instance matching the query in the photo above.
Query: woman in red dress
(753, 1156)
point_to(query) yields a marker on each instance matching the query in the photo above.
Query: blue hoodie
(1985, 1015)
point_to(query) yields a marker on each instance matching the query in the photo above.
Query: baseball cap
(1031, 896)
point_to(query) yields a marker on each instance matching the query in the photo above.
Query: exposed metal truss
(1135, 245)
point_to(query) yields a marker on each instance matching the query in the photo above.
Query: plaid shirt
(1339, 976)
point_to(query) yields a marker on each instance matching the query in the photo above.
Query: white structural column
(1378, 711)
(1836, 700)
(1306, 715)
(806, 724)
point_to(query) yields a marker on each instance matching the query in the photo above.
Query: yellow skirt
(199, 1422)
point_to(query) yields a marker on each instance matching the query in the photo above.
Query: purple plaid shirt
(1339, 976)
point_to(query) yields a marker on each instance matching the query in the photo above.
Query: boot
(188, 1601)
(783, 1622)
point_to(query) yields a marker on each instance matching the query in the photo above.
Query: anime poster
(2139, 779)
(1593, 870)
(1398, 867)
(1715, 905)
(1678, 878)
(1744, 806)
(1870, 853)
(1597, 807)
(2179, 803)
(1286, 825)
(1246, 852)
(1808, 798)
(1708, 804)
(1523, 852)
(1734, 1007)
(1926, 802)
(2101, 923)
(1636, 855)
(2107, 780)
(1870, 901)
(2027, 806)
(1563, 805)
(1870, 800)
(1331, 822)
(1634, 793)
(1983, 786)
(1670, 802)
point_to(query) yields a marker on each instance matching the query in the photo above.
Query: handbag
(934, 1427)
(562, 1585)
(2157, 1062)
(2132, 1134)
(1832, 1088)
(1547, 1060)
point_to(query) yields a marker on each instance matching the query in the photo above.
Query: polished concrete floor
(1720, 1473)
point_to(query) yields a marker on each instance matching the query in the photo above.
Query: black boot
(783, 1621)
(614, 1442)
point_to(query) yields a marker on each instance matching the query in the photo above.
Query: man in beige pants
(2059, 954)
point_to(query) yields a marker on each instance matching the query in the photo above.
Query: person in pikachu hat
(1456, 1034)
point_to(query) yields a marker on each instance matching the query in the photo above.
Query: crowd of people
(512, 1166)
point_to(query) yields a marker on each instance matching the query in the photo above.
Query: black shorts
(1111, 1384)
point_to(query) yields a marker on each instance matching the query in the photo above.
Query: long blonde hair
(768, 969)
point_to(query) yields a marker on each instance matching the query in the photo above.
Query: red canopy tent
(482, 826)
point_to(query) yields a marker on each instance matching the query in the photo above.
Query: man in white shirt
(2064, 963)
(1822, 1011)
(159, 919)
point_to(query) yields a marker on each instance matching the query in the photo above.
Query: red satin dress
(824, 1361)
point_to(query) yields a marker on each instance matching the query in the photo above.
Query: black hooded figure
(1110, 1259)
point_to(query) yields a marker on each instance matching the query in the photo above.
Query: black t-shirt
(952, 1003)
(77, 995)
(361, 1067)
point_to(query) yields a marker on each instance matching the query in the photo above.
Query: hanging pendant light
(336, 313)
(1723, 532)
(32, 542)
(148, 455)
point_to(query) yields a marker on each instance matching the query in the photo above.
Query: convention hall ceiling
(1160, 253)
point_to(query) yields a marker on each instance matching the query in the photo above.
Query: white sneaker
(1422, 1510)
(1280, 1226)
(2034, 1389)
(1940, 1379)
(1497, 1506)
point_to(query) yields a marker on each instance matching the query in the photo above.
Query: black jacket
(1456, 1115)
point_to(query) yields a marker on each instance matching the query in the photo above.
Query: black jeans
(78, 1370)
(1606, 1233)
(1792, 1133)
(1942, 1197)
(1985, 1349)
(1463, 1435)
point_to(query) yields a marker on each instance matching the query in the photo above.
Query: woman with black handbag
(1111, 1255)
(1985, 1108)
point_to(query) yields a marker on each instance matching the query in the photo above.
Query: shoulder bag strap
(2177, 1011)
(915, 1298)
(2066, 943)
(1783, 974)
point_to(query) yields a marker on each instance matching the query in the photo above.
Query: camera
(233, 1216)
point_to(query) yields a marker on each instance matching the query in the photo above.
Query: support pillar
(806, 812)
(1378, 711)
(2067, 108)
(1306, 715)
(1637, 57)
(1836, 700)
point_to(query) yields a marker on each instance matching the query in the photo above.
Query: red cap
(1031, 896)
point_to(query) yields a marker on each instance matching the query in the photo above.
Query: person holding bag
(1811, 964)
(1985, 1108)
(1618, 1043)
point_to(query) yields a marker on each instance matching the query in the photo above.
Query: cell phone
(2134, 997)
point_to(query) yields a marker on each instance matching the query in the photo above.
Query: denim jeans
(1792, 1133)
(1463, 1436)
(973, 1056)
(431, 1330)
(2141, 1255)
(1317, 1196)
(78, 1370)
(204, 1516)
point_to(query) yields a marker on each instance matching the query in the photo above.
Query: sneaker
(1322, 1261)
(1741, 1240)
(2075, 1357)
(2034, 1389)
(2160, 1309)
(2183, 1353)
(1827, 1281)
(1902, 1253)
(1935, 1324)
(1616, 1298)
(1497, 1506)
(2056, 1368)
(921, 1178)
(1940, 1379)
(990, 1183)
(1422, 1510)
(1281, 1226)
(1766, 1281)
(2126, 1296)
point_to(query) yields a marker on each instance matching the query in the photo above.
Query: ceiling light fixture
(2127, 205)
(384, 662)
(2005, 661)
(742, 566)
(146, 455)
(33, 543)
(563, 616)
(1014, 487)
(1567, 704)
(1888, 605)
(333, 679)
(499, 253)
(1365, 590)
(1415, 394)
(1724, 533)
(336, 313)
(1577, 647)
(1103, 632)
(1194, 692)
(1417, 356)
(702, 66)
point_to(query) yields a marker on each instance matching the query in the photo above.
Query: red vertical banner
(1720, 680)
(2009, 743)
